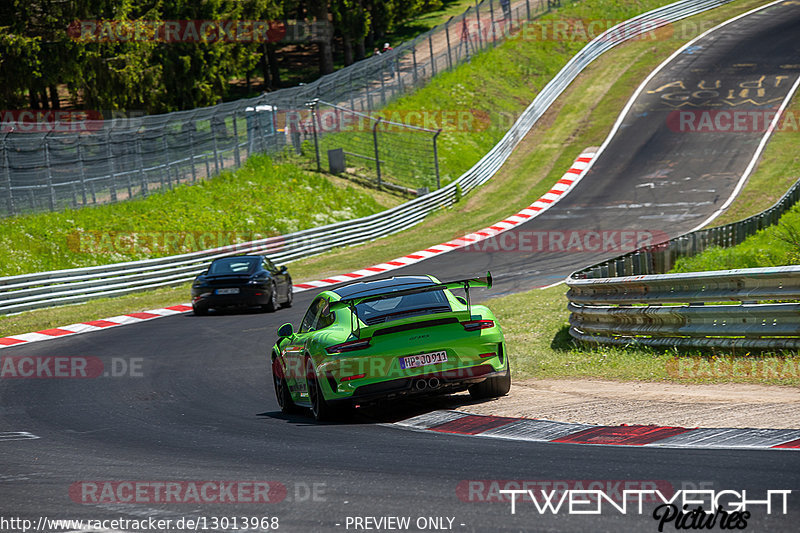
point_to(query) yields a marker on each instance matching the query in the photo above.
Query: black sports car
(242, 281)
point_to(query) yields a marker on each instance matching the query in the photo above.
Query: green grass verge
(778, 245)
(261, 199)
(426, 21)
(539, 345)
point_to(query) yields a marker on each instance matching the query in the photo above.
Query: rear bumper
(448, 381)
(248, 296)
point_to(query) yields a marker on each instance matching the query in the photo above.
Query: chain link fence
(389, 154)
(47, 167)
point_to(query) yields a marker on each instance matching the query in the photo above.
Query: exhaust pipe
(433, 383)
(420, 384)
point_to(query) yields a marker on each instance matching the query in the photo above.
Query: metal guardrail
(676, 311)
(49, 166)
(35, 291)
(603, 298)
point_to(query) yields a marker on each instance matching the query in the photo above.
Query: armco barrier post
(383, 84)
(236, 155)
(140, 160)
(49, 173)
(433, 58)
(414, 61)
(478, 19)
(110, 164)
(214, 130)
(192, 151)
(491, 21)
(375, 145)
(313, 106)
(82, 170)
(449, 50)
(167, 158)
(436, 158)
(7, 166)
(396, 62)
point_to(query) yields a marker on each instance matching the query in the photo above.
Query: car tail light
(349, 346)
(350, 378)
(490, 354)
(475, 325)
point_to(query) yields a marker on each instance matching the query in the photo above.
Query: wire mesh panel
(387, 152)
(102, 161)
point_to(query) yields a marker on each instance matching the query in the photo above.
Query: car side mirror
(461, 299)
(283, 269)
(285, 330)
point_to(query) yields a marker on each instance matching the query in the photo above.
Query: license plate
(423, 359)
(227, 291)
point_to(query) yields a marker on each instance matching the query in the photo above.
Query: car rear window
(234, 265)
(385, 310)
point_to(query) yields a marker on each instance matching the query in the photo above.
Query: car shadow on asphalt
(383, 413)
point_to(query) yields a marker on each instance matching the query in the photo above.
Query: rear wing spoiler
(483, 281)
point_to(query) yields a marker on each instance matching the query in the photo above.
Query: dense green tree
(115, 54)
(352, 22)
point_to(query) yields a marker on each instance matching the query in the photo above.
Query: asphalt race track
(189, 399)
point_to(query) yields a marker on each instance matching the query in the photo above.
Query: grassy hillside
(262, 198)
(778, 245)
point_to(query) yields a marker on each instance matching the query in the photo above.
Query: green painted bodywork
(380, 362)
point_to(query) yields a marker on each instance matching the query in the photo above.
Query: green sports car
(376, 340)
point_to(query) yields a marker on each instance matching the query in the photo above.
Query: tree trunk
(54, 101)
(348, 50)
(361, 50)
(274, 67)
(369, 41)
(43, 98)
(319, 10)
(265, 68)
(32, 100)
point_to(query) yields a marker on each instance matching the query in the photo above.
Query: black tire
(493, 387)
(199, 311)
(321, 409)
(272, 305)
(289, 296)
(282, 393)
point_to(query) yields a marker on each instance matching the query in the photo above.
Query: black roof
(379, 286)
